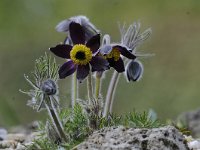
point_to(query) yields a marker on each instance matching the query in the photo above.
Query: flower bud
(49, 87)
(134, 70)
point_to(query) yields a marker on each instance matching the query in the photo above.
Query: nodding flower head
(49, 87)
(113, 52)
(80, 56)
(88, 27)
(134, 70)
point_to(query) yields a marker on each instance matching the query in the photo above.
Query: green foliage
(42, 143)
(141, 120)
(45, 68)
(77, 127)
(181, 126)
(75, 123)
(111, 120)
(95, 117)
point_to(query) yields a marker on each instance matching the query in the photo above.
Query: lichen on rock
(122, 138)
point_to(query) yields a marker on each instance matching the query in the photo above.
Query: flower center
(115, 54)
(80, 54)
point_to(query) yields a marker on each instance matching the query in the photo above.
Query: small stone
(8, 144)
(194, 145)
(191, 120)
(20, 147)
(18, 137)
(33, 126)
(32, 136)
(3, 134)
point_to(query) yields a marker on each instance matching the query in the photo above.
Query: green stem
(54, 118)
(89, 87)
(111, 93)
(74, 89)
(98, 84)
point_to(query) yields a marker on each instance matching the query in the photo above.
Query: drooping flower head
(130, 39)
(134, 70)
(82, 55)
(88, 27)
(113, 52)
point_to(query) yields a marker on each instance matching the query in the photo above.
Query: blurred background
(171, 80)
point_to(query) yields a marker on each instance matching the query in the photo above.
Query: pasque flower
(88, 27)
(134, 70)
(82, 56)
(113, 52)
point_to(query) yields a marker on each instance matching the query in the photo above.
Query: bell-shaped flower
(134, 70)
(89, 29)
(114, 52)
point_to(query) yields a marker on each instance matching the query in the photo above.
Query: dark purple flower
(88, 27)
(112, 54)
(81, 56)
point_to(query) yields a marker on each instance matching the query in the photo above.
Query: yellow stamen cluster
(80, 54)
(115, 53)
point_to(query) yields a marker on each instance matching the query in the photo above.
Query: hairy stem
(111, 93)
(74, 89)
(89, 87)
(54, 118)
(98, 84)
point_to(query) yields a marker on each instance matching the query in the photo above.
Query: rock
(194, 145)
(8, 144)
(32, 136)
(3, 134)
(33, 126)
(121, 138)
(18, 137)
(192, 120)
(26, 129)
(18, 141)
(20, 147)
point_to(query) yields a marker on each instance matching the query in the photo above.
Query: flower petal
(125, 52)
(68, 41)
(99, 64)
(82, 71)
(134, 70)
(63, 26)
(106, 49)
(61, 50)
(117, 65)
(77, 33)
(94, 43)
(67, 69)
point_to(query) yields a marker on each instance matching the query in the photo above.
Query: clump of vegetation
(85, 55)
(77, 127)
(142, 120)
